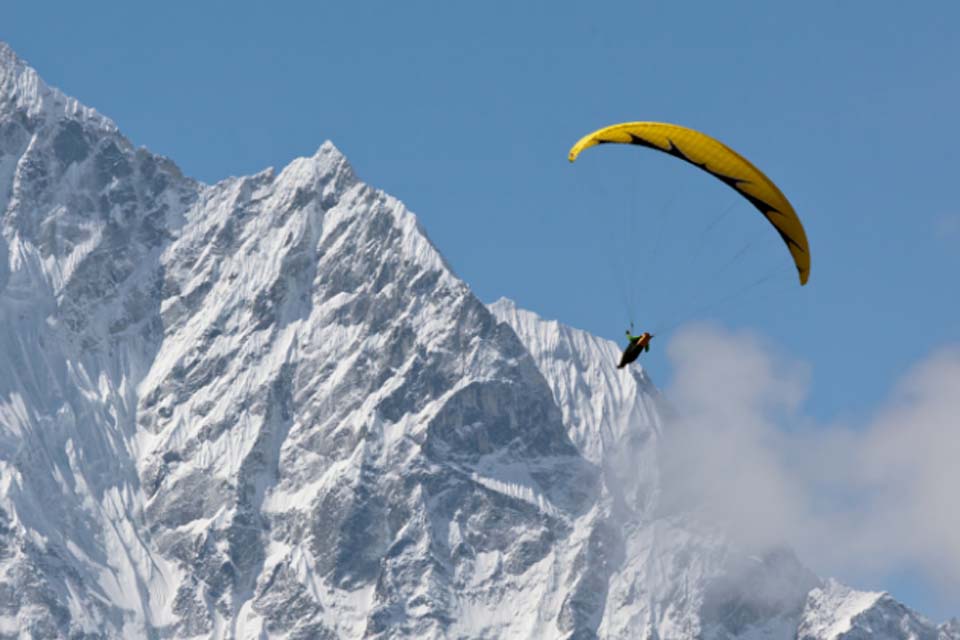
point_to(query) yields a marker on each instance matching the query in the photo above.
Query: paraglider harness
(635, 346)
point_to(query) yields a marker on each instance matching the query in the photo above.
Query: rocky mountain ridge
(268, 408)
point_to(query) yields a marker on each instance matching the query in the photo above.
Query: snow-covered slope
(836, 611)
(602, 406)
(268, 408)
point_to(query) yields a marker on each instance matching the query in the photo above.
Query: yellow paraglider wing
(722, 162)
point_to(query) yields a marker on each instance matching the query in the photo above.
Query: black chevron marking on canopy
(677, 152)
(730, 181)
(643, 142)
(788, 240)
(768, 211)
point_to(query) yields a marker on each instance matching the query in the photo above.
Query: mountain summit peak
(22, 90)
(8, 57)
(326, 163)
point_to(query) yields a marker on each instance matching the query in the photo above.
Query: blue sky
(466, 112)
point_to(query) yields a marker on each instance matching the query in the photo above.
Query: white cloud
(911, 466)
(868, 500)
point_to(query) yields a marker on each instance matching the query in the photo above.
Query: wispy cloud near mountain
(862, 500)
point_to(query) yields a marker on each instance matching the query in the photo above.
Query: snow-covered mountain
(268, 408)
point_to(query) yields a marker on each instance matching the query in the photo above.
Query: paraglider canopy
(723, 163)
